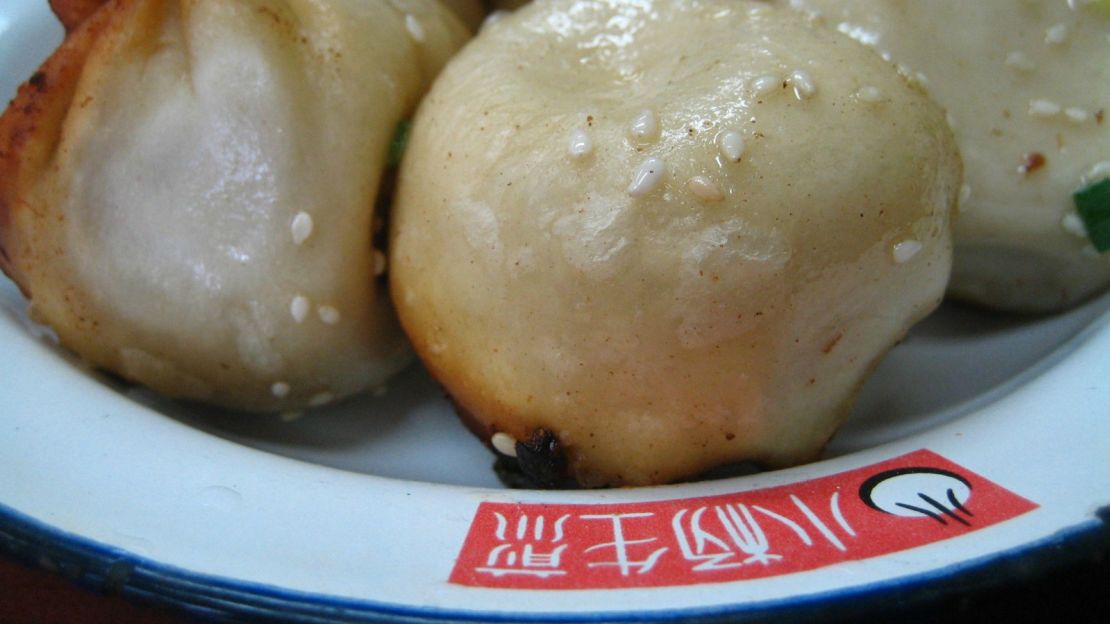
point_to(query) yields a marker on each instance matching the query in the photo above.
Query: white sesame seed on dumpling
(187, 190)
(659, 237)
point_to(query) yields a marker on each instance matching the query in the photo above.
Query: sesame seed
(493, 18)
(804, 87)
(299, 308)
(380, 391)
(965, 195)
(379, 262)
(731, 144)
(648, 177)
(416, 30)
(321, 399)
(766, 84)
(504, 443)
(291, 416)
(869, 94)
(1077, 115)
(1044, 108)
(1019, 61)
(1099, 171)
(1073, 225)
(301, 227)
(437, 347)
(280, 389)
(1056, 35)
(704, 189)
(645, 127)
(906, 250)
(580, 144)
(328, 314)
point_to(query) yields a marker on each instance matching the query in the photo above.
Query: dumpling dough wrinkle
(472, 12)
(1027, 87)
(192, 186)
(576, 248)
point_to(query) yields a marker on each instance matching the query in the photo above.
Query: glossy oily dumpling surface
(1027, 86)
(187, 191)
(667, 252)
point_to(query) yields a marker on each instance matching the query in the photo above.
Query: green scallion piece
(399, 142)
(1093, 204)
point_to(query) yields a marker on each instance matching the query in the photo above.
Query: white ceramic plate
(979, 437)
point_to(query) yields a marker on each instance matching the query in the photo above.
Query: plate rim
(107, 569)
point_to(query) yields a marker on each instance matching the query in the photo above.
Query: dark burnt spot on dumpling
(542, 460)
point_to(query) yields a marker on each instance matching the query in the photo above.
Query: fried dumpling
(1027, 86)
(653, 238)
(187, 190)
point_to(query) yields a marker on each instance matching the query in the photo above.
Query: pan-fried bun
(660, 237)
(1027, 87)
(187, 190)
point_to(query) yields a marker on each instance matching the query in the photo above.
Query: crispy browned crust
(542, 462)
(32, 125)
(72, 12)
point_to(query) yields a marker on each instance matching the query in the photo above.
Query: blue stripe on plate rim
(109, 569)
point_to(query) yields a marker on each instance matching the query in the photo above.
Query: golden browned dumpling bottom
(187, 190)
(648, 239)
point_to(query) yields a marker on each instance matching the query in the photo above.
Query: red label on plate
(902, 503)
